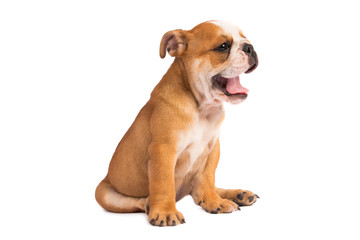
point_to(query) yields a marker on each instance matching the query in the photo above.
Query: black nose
(248, 49)
(253, 59)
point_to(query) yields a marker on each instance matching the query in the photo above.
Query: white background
(74, 74)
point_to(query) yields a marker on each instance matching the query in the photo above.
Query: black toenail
(251, 198)
(183, 221)
(174, 223)
(257, 196)
(161, 222)
(152, 221)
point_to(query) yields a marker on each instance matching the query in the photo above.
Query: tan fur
(172, 148)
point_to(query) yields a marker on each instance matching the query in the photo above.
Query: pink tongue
(233, 86)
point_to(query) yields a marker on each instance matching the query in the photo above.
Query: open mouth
(229, 86)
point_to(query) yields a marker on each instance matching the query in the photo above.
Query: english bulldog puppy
(172, 149)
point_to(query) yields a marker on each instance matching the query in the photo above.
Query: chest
(196, 142)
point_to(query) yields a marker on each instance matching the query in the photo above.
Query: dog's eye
(223, 47)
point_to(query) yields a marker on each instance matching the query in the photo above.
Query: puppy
(172, 149)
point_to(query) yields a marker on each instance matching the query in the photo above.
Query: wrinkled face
(217, 54)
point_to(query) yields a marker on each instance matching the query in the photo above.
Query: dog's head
(214, 54)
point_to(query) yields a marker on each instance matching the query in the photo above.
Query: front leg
(162, 210)
(204, 193)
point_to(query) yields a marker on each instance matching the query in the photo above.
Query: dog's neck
(177, 81)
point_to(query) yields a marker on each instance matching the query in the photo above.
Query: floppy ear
(174, 42)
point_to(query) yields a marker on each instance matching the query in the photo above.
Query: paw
(165, 217)
(218, 206)
(244, 197)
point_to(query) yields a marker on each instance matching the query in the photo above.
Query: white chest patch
(200, 138)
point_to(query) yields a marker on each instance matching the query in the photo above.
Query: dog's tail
(113, 201)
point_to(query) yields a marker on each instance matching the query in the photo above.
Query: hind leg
(113, 201)
(240, 197)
